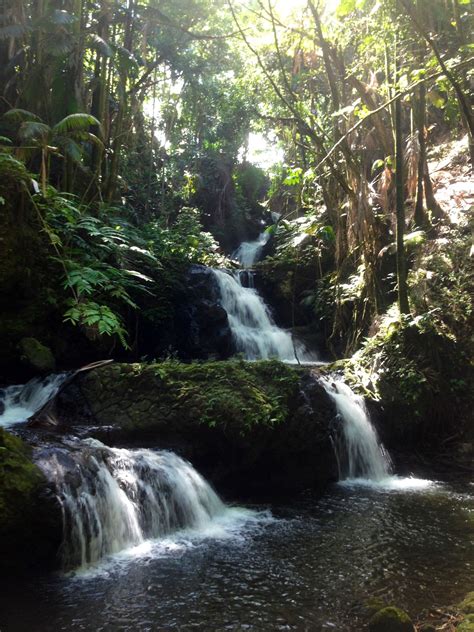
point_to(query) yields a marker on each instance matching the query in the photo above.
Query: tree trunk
(400, 210)
(421, 219)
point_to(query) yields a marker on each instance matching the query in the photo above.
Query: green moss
(37, 355)
(374, 605)
(19, 481)
(467, 604)
(391, 619)
(233, 395)
(467, 625)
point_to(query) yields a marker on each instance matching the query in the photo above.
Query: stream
(149, 545)
(309, 565)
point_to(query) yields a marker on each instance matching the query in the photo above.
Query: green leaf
(345, 7)
(18, 115)
(378, 164)
(75, 122)
(100, 45)
(13, 31)
(32, 130)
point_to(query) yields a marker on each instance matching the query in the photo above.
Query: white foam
(234, 525)
(391, 483)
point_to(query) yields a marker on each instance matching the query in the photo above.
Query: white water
(360, 453)
(249, 251)
(115, 499)
(20, 402)
(254, 331)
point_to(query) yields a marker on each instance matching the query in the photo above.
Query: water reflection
(312, 568)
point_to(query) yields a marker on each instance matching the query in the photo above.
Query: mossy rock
(467, 625)
(29, 530)
(391, 619)
(37, 355)
(235, 396)
(251, 427)
(467, 604)
(19, 479)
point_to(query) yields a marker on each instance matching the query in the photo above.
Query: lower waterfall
(359, 451)
(114, 498)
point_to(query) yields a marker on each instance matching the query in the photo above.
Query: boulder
(36, 356)
(391, 619)
(251, 427)
(30, 518)
(201, 321)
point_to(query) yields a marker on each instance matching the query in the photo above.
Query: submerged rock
(391, 619)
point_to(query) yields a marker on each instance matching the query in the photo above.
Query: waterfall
(254, 331)
(20, 402)
(249, 251)
(114, 498)
(360, 453)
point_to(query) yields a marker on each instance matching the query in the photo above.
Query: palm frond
(70, 148)
(100, 45)
(17, 115)
(33, 130)
(75, 122)
(13, 31)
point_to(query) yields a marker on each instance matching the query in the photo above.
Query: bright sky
(262, 152)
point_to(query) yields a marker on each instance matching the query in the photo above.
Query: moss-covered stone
(19, 479)
(391, 619)
(467, 604)
(29, 526)
(373, 605)
(233, 395)
(253, 426)
(37, 355)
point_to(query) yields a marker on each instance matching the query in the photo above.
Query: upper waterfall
(255, 333)
(115, 498)
(249, 251)
(360, 453)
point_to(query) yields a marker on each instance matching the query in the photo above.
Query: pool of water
(310, 564)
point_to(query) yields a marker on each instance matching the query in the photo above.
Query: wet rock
(36, 355)
(200, 320)
(251, 427)
(391, 619)
(30, 519)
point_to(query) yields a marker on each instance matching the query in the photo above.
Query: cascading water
(19, 403)
(255, 333)
(249, 251)
(359, 451)
(113, 498)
